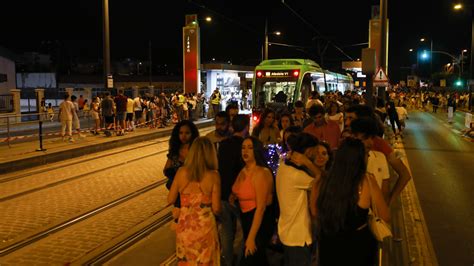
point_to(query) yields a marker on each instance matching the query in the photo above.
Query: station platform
(25, 154)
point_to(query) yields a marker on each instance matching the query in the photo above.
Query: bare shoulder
(262, 173)
(213, 176)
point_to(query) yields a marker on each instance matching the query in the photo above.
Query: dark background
(73, 29)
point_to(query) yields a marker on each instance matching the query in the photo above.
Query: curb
(420, 246)
(57, 156)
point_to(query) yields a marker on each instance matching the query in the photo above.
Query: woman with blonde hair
(198, 184)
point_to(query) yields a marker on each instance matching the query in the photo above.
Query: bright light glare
(422, 39)
(278, 33)
(458, 6)
(411, 50)
(208, 19)
(464, 51)
(424, 55)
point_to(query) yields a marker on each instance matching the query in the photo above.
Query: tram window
(268, 89)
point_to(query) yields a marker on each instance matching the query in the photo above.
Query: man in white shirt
(66, 113)
(294, 223)
(365, 129)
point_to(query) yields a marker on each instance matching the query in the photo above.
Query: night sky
(237, 30)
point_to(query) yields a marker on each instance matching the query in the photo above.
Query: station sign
(191, 55)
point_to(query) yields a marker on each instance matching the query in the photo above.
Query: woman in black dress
(344, 197)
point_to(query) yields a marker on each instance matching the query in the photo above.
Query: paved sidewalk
(24, 155)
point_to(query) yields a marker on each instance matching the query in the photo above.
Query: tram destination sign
(278, 74)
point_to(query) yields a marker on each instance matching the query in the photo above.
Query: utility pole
(383, 44)
(471, 66)
(150, 62)
(265, 49)
(106, 41)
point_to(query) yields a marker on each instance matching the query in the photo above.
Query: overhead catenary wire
(316, 30)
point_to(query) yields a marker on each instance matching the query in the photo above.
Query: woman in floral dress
(198, 184)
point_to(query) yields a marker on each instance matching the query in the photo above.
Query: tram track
(95, 171)
(123, 245)
(76, 163)
(28, 237)
(49, 169)
(38, 236)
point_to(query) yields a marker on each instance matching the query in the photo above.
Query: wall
(7, 67)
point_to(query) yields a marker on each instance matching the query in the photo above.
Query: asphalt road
(442, 163)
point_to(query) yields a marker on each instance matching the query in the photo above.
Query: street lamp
(431, 54)
(265, 48)
(462, 60)
(459, 6)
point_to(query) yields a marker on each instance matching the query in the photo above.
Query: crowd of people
(119, 114)
(312, 206)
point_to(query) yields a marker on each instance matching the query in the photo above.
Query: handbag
(379, 228)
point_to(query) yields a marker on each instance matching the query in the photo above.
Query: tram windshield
(267, 90)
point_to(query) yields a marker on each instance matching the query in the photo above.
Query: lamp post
(431, 54)
(106, 41)
(265, 48)
(459, 6)
(462, 60)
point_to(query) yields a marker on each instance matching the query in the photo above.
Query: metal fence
(6, 103)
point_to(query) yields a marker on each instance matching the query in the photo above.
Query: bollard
(8, 132)
(41, 136)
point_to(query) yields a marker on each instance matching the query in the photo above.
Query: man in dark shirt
(121, 109)
(230, 165)
(107, 107)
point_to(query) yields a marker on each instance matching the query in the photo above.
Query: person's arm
(386, 190)
(216, 193)
(376, 196)
(313, 198)
(300, 159)
(174, 190)
(167, 165)
(404, 176)
(262, 181)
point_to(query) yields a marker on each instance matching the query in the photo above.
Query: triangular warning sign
(380, 76)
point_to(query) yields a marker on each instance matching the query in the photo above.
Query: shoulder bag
(380, 229)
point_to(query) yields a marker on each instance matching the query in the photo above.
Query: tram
(296, 78)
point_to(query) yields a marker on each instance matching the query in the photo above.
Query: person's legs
(300, 256)
(63, 128)
(227, 232)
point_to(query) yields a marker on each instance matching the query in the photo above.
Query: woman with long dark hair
(266, 130)
(344, 197)
(257, 216)
(182, 136)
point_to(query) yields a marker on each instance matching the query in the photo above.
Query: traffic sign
(380, 79)
(380, 76)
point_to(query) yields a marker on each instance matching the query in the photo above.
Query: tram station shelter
(232, 80)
